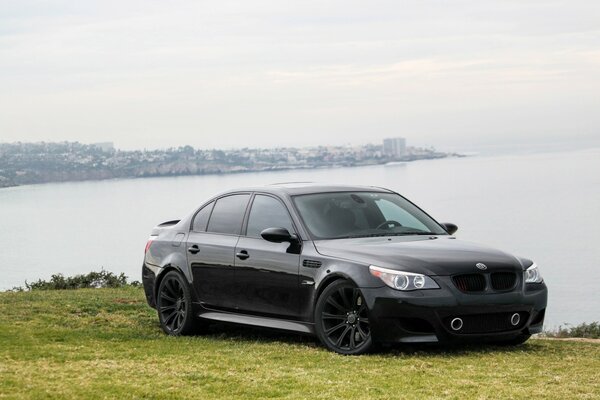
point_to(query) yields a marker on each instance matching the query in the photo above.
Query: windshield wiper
(421, 233)
(384, 234)
(363, 236)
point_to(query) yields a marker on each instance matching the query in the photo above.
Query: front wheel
(342, 320)
(174, 305)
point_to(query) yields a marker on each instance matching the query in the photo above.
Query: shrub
(93, 279)
(585, 330)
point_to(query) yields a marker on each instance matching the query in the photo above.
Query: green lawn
(106, 343)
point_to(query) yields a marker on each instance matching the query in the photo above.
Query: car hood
(437, 255)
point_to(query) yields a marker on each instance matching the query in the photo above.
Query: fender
(174, 261)
(177, 261)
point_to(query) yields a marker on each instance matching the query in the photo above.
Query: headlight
(532, 274)
(401, 280)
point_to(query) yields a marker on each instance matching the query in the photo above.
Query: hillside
(106, 343)
(29, 163)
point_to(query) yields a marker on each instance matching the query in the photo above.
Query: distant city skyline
(28, 163)
(459, 76)
(486, 148)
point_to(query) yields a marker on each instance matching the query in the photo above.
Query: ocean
(542, 206)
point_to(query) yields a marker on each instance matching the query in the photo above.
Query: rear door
(211, 247)
(266, 273)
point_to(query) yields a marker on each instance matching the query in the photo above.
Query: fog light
(456, 324)
(515, 319)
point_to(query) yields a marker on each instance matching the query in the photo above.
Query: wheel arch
(327, 281)
(324, 332)
(163, 272)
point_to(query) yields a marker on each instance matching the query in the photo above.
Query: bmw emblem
(481, 266)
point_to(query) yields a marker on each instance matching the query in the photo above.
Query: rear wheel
(174, 305)
(342, 320)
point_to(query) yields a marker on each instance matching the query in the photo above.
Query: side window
(228, 213)
(267, 212)
(201, 218)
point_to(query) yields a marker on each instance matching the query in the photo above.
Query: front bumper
(427, 315)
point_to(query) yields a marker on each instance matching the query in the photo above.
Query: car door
(266, 273)
(211, 247)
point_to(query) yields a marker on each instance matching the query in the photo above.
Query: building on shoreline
(394, 147)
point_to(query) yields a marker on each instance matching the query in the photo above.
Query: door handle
(242, 255)
(193, 249)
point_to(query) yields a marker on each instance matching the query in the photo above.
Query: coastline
(221, 170)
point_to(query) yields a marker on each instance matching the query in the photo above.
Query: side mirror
(450, 228)
(278, 235)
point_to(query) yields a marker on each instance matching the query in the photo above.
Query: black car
(353, 265)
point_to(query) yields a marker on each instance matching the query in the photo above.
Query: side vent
(311, 264)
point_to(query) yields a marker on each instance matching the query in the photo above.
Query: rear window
(228, 213)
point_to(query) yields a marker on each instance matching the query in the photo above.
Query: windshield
(362, 214)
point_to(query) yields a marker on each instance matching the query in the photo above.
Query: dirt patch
(570, 339)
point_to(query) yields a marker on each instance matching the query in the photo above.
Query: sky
(229, 74)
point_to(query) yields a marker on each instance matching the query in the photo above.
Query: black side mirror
(278, 235)
(450, 228)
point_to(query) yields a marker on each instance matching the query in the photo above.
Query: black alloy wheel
(342, 320)
(174, 305)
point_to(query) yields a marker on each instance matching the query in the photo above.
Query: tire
(174, 305)
(342, 320)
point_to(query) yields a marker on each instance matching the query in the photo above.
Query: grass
(106, 343)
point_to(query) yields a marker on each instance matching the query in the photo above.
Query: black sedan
(353, 265)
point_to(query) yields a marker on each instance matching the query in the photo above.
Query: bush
(585, 330)
(102, 279)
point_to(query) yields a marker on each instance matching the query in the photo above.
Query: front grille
(487, 323)
(469, 282)
(503, 280)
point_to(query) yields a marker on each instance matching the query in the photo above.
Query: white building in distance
(394, 147)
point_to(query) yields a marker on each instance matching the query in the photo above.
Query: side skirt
(287, 325)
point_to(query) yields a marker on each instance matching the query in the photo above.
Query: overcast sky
(151, 74)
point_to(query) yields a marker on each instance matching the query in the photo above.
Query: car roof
(299, 188)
